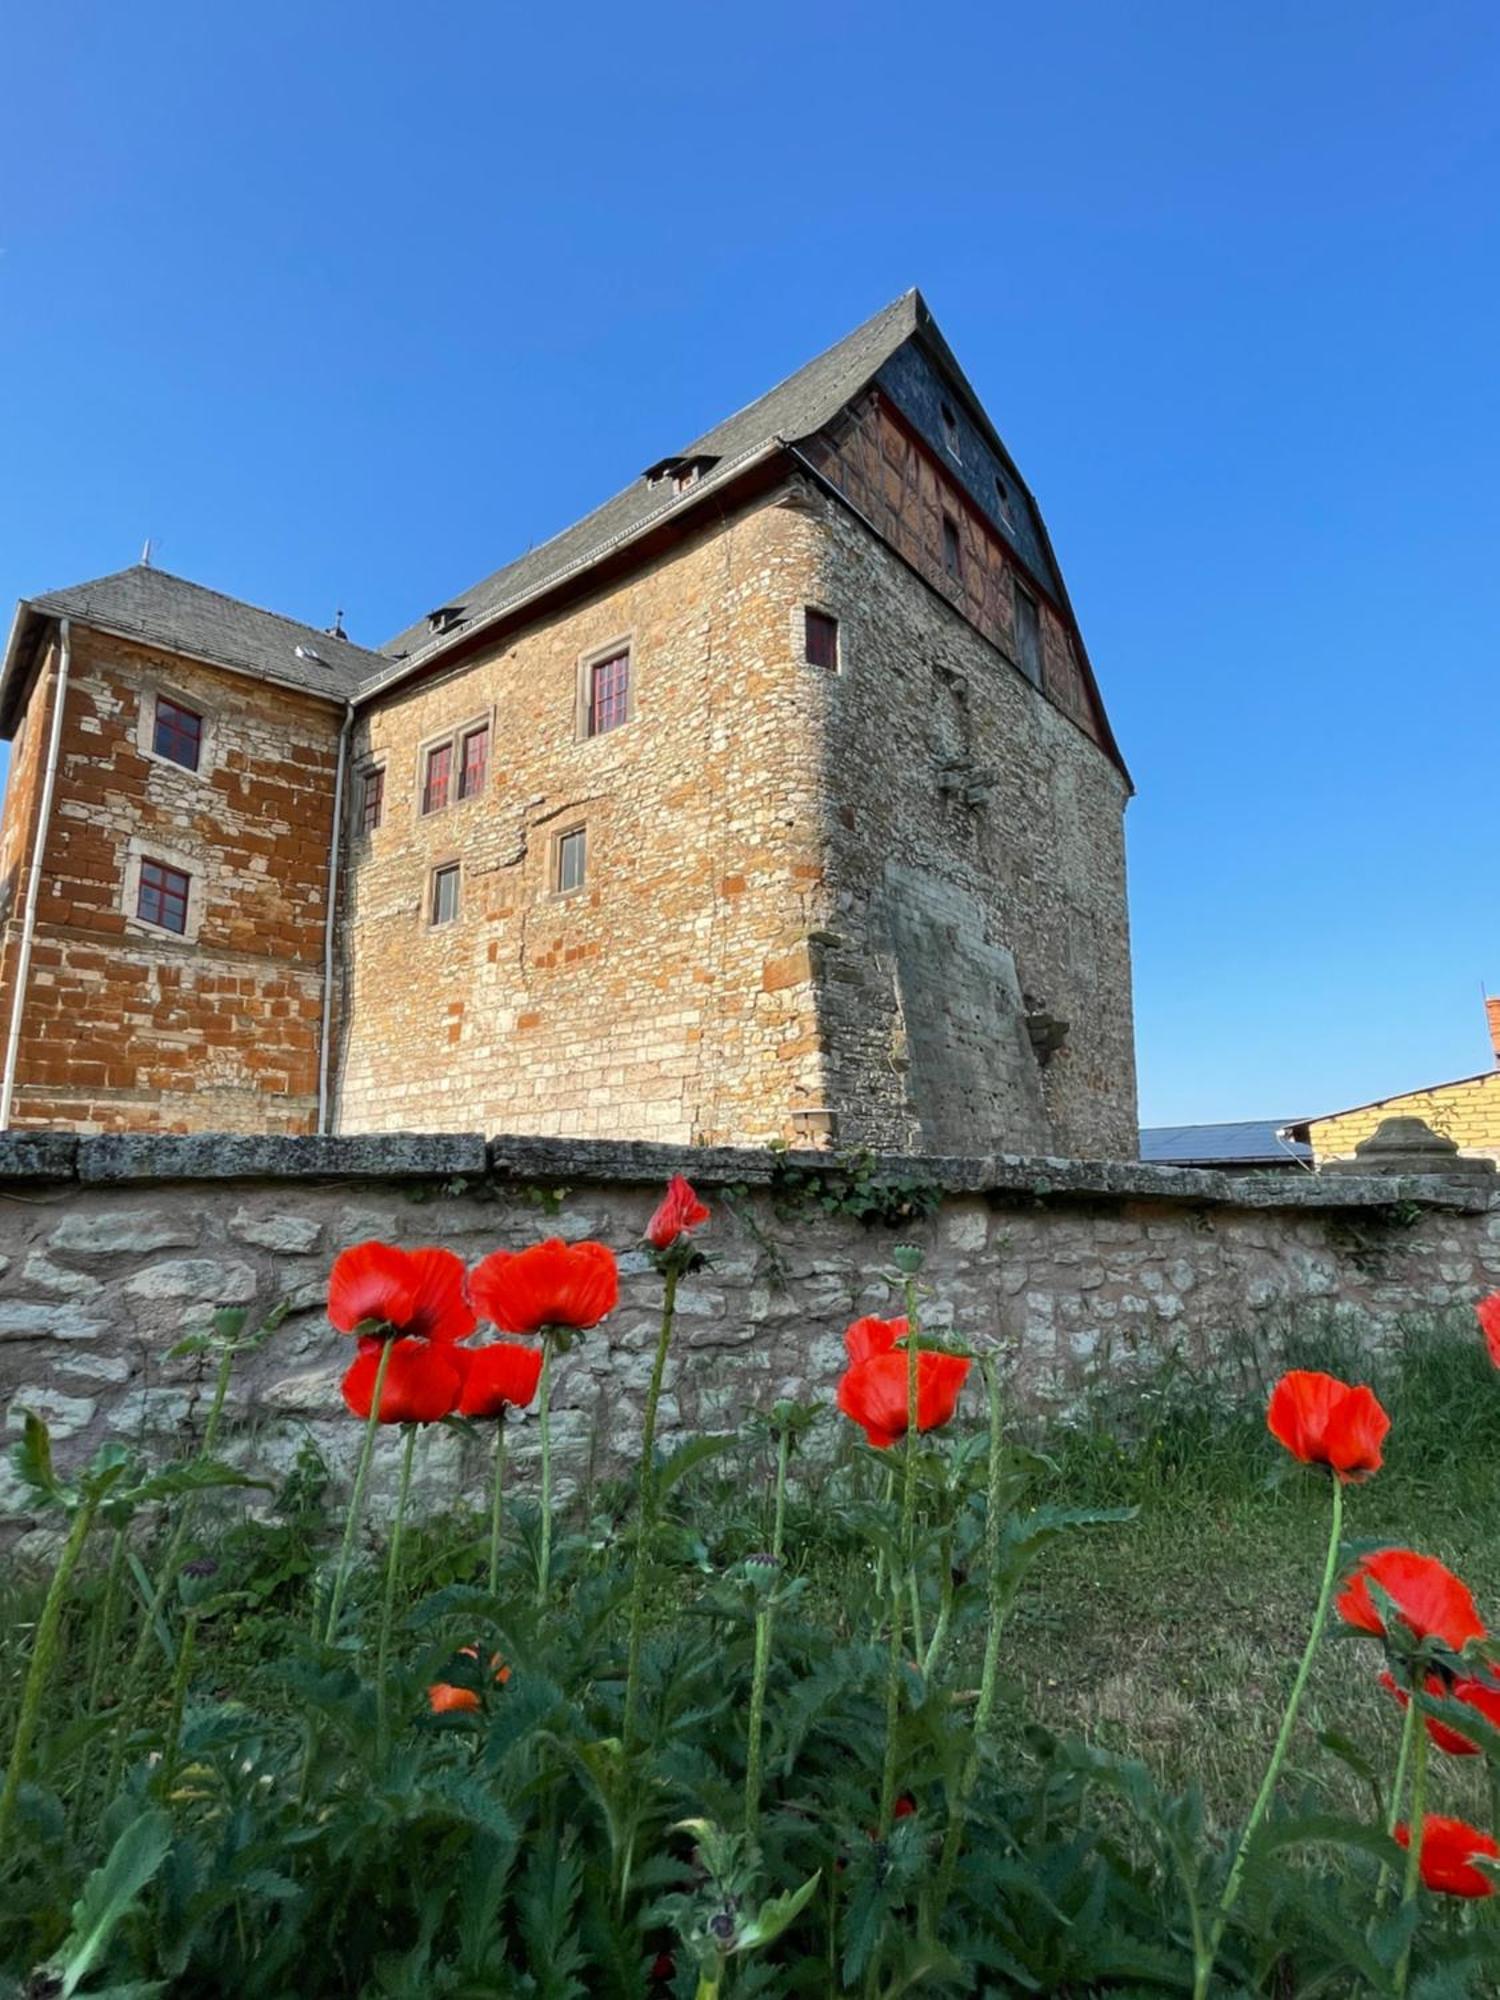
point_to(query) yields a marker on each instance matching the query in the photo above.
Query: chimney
(1492, 1014)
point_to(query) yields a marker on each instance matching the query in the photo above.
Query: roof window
(445, 618)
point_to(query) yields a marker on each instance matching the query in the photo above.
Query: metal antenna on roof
(146, 554)
(336, 629)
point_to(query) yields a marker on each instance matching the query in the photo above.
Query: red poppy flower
(1432, 1601)
(1449, 1849)
(678, 1213)
(551, 1284)
(418, 1292)
(904, 1807)
(445, 1698)
(1482, 1696)
(873, 1389)
(1488, 1314)
(421, 1382)
(493, 1377)
(1324, 1421)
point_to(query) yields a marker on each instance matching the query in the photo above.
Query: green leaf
(196, 1475)
(697, 1451)
(772, 1918)
(109, 1893)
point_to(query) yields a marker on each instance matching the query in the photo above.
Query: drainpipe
(34, 881)
(334, 849)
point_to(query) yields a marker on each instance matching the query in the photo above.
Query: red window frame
(474, 762)
(372, 799)
(609, 693)
(162, 897)
(177, 733)
(822, 639)
(437, 776)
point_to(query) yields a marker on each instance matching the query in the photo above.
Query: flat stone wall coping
(1007, 1180)
(212, 1156)
(38, 1156)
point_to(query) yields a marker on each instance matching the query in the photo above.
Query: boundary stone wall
(112, 1248)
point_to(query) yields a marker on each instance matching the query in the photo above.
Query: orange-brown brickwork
(128, 1026)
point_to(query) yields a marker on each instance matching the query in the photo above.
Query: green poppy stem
(646, 1504)
(544, 1416)
(1416, 1827)
(172, 1753)
(43, 1657)
(989, 1679)
(104, 1633)
(905, 1584)
(497, 1492)
(1208, 1952)
(388, 1602)
(764, 1622)
(357, 1497)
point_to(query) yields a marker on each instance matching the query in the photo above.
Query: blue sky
(346, 306)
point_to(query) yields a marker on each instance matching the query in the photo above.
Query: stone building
(773, 800)
(1465, 1110)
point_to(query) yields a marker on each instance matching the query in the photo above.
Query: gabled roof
(795, 408)
(1249, 1141)
(156, 608)
(1299, 1126)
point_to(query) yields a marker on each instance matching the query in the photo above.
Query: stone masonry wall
(670, 998)
(112, 1248)
(976, 874)
(127, 1026)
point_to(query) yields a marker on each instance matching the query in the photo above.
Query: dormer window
(1002, 499)
(444, 619)
(682, 471)
(950, 429)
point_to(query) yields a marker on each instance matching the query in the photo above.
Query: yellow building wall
(1466, 1112)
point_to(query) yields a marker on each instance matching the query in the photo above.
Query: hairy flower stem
(933, 1656)
(544, 1417)
(497, 1501)
(357, 1497)
(994, 1625)
(646, 1505)
(1416, 1827)
(906, 1582)
(388, 1602)
(765, 1620)
(104, 1633)
(1207, 1954)
(1393, 1810)
(172, 1752)
(43, 1657)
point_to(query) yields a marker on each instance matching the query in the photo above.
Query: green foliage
(850, 1183)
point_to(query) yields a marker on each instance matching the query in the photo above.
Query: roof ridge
(207, 590)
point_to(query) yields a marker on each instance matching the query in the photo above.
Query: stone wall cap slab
(38, 1156)
(217, 1156)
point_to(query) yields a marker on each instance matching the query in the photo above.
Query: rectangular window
(163, 896)
(437, 771)
(371, 799)
(952, 553)
(609, 693)
(445, 893)
(572, 855)
(822, 640)
(1028, 636)
(178, 735)
(474, 762)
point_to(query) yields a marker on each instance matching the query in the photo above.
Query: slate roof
(158, 608)
(795, 408)
(1244, 1142)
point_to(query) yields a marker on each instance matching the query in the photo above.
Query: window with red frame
(609, 693)
(437, 775)
(822, 640)
(178, 734)
(163, 896)
(372, 799)
(474, 762)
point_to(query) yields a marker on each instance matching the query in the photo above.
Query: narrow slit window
(372, 798)
(953, 561)
(1028, 636)
(572, 858)
(445, 894)
(822, 643)
(475, 762)
(609, 693)
(437, 773)
(163, 897)
(178, 734)
(950, 429)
